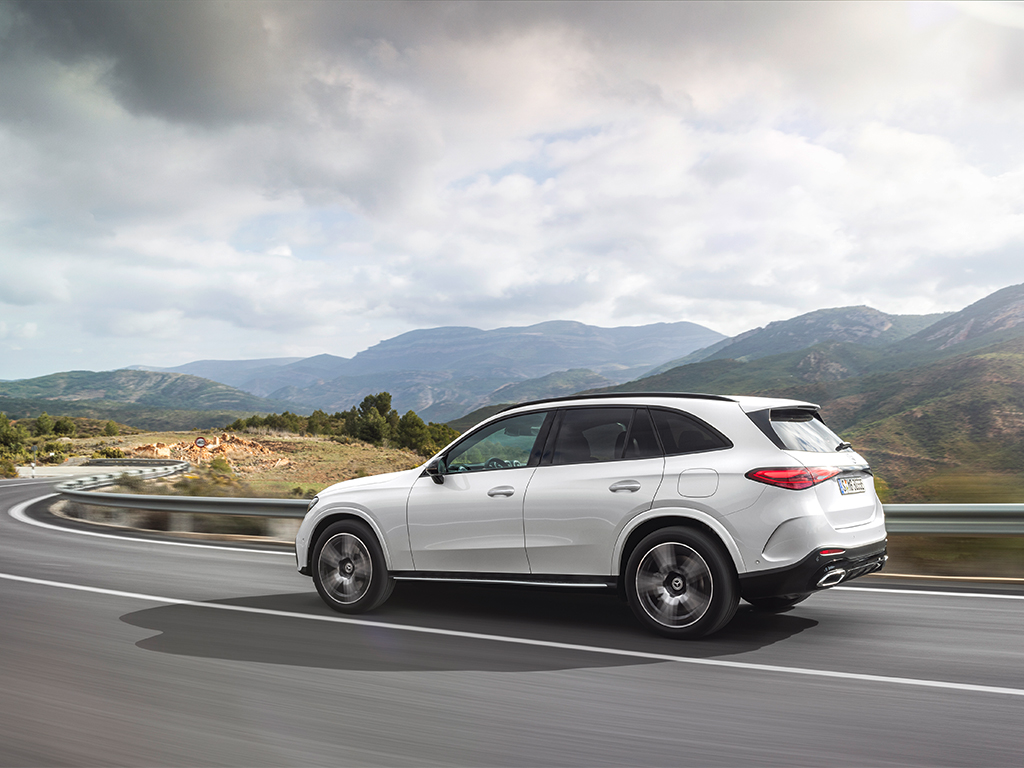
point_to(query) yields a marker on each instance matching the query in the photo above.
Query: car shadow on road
(545, 615)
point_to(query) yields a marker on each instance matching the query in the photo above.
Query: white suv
(685, 503)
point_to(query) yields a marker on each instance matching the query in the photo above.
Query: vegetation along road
(123, 651)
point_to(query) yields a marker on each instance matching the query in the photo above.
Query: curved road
(119, 651)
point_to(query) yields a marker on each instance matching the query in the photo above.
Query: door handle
(625, 485)
(501, 490)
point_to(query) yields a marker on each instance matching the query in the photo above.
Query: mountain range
(922, 396)
(442, 373)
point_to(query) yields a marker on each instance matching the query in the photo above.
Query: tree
(372, 427)
(64, 426)
(43, 425)
(412, 433)
(381, 402)
(317, 423)
(111, 429)
(442, 434)
(12, 436)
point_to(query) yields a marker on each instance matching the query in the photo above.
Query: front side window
(503, 444)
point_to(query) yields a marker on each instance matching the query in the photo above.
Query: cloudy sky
(235, 180)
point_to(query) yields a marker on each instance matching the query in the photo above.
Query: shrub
(51, 453)
(132, 483)
(220, 466)
(7, 468)
(108, 452)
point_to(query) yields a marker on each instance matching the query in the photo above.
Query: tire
(776, 604)
(348, 568)
(681, 584)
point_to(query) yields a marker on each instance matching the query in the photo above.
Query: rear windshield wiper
(844, 446)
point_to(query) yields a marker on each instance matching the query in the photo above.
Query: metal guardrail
(966, 519)
(80, 490)
(151, 468)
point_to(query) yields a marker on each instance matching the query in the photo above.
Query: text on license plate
(851, 485)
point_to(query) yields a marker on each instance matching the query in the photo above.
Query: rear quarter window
(680, 433)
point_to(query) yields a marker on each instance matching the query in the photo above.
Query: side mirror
(436, 471)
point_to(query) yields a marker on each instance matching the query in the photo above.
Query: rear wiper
(844, 446)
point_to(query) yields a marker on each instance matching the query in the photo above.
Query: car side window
(500, 445)
(684, 434)
(591, 434)
(642, 442)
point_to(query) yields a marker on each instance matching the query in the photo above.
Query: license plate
(851, 485)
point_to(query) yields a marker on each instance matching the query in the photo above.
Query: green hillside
(143, 399)
(162, 390)
(138, 416)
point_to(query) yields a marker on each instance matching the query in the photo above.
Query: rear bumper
(814, 572)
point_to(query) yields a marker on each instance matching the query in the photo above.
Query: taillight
(793, 478)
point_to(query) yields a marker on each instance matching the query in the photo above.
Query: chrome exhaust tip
(832, 578)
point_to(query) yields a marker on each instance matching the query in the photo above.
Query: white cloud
(185, 181)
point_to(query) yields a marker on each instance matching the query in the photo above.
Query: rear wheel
(349, 569)
(776, 604)
(681, 584)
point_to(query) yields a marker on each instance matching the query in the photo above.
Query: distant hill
(445, 372)
(860, 325)
(996, 317)
(536, 350)
(439, 395)
(111, 394)
(509, 353)
(230, 372)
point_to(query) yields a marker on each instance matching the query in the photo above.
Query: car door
(472, 521)
(603, 467)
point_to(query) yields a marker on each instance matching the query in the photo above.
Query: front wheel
(349, 569)
(681, 584)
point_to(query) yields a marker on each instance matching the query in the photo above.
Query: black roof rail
(608, 395)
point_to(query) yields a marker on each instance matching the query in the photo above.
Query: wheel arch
(345, 513)
(647, 524)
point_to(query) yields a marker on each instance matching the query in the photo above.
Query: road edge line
(642, 655)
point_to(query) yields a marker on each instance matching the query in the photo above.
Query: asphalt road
(116, 651)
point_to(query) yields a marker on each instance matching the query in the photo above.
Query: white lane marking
(18, 513)
(43, 481)
(898, 591)
(748, 666)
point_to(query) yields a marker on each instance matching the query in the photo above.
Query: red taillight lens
(793, 478)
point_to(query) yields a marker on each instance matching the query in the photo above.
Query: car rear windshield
(803, 430)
